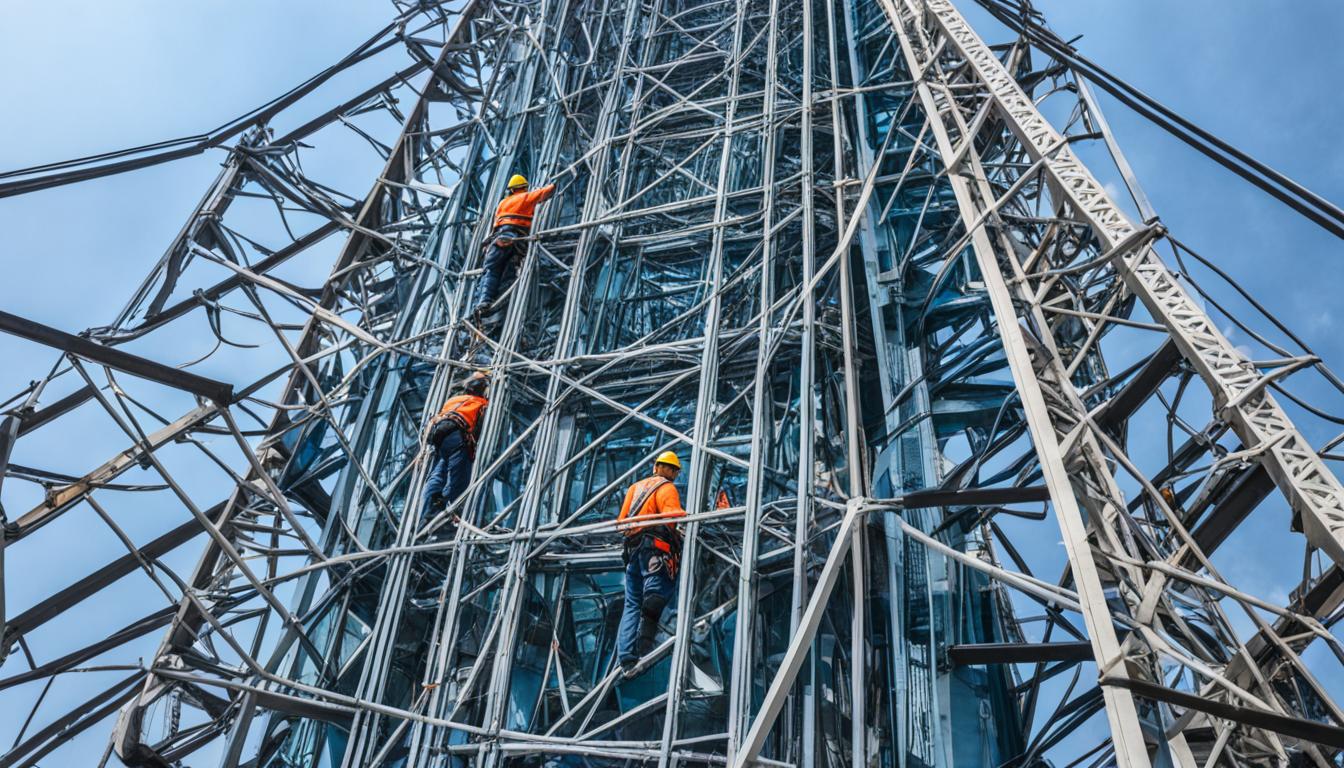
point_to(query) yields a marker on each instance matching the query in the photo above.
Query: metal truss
(834, 253)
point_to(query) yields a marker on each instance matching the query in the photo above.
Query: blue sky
(1253, 74)
(89, 77)
(84, 77)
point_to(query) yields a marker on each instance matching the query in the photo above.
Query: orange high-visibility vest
(467, 408)
(662, 502)
(519, 207)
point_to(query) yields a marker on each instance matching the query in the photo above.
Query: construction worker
(652, 554)
(452, 439)
(513, 220)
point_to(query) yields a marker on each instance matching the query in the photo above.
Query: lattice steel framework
(835, 253)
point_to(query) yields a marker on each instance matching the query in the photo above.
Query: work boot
(436, 504)
(628, 667)
(648, 628)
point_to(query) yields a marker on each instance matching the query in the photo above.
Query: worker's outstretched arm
(538, 195)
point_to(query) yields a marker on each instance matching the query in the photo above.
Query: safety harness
(664, 538)
(446, 424)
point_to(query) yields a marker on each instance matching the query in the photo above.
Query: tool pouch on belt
(439, 430)
(510, 236)
(628, 548)
(668, 544)
(451, 421)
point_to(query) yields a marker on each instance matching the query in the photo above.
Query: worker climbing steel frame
(831, 253)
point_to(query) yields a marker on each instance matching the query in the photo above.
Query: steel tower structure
(844, 255)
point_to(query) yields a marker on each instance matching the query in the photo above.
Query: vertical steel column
(742, 681)
(1130, 748)
(706, 399)
(540, 474)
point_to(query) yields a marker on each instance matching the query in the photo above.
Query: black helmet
(476, 383)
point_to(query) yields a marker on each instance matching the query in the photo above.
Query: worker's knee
(653, 605)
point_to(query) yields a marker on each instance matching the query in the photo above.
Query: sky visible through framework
(88, 77)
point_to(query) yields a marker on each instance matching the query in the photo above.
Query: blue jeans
(499, 266)
(642, 583)
(450, 473)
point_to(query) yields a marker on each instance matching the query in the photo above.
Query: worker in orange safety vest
(652, 554)
(452, 439)
(513, 221)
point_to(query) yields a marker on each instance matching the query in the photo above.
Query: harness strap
(637, 505)
(460, 422)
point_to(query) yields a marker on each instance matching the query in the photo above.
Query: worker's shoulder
(644, 482)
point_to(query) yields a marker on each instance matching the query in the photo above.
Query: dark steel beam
(1138, 389)
(975, 497)
(137, 628)
(217, 391)
(73, 722)
(1018, 653)
(55, 410)
(51, 607)
(1308, 730)
(1233, 505)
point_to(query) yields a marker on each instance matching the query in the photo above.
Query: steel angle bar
(1311, 488)
(62, 499)
(740, 684)
(707, 394)
(1121, 711)
(800, 643)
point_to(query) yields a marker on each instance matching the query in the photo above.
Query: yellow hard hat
(668, 457)
(517, 180)
(476, 383)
